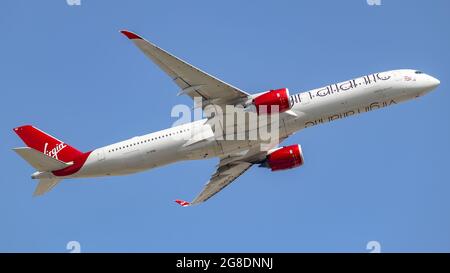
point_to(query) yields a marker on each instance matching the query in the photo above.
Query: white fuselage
(311, 108)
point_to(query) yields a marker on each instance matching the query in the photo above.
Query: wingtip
(182, 203)
(130, 35)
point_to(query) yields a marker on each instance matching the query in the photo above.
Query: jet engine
(284, 158)
(278, 97)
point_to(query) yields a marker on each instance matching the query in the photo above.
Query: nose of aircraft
(425, 83)
(433, 82)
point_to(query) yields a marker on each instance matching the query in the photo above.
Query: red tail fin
(45, 143)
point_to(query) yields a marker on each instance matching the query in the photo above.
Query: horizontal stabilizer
(40, 161)
(45, 185)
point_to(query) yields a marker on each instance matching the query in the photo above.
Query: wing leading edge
(224, 175)
(229, 169)
(192, 81)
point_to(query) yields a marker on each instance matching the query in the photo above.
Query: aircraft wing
(224, 175)
(229, 169)
(192, 81)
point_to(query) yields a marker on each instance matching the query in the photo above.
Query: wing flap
(229, 169)
(220, 180)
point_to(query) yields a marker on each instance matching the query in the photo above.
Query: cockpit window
(419, 72)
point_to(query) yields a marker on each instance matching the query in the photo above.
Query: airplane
(55, 160)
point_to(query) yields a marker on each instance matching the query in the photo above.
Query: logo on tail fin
(54, 152)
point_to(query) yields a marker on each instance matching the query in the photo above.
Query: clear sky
(381, 176)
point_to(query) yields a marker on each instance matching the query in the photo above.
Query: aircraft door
(100, 154)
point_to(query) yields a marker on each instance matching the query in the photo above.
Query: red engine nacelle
(278, 97)
(285, 158)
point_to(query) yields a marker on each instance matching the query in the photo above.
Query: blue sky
(380, 176)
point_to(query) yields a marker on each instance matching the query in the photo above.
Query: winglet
(183, 203)
(130, 35)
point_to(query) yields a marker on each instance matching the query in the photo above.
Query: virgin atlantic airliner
(55, 160)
